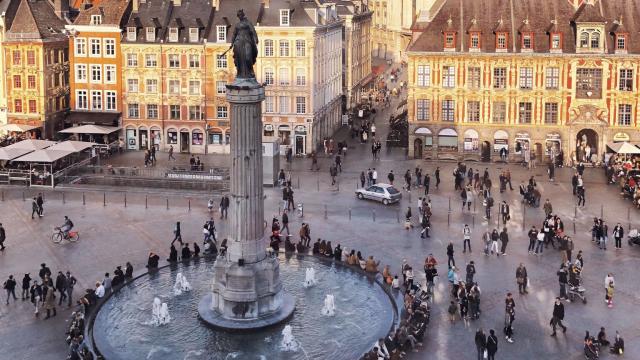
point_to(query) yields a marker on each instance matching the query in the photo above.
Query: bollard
(83, 201)
(167, 203)
(189, 204)
(125, 199)
(473, 221)
(628, 217)
(398, 216)
(63, 200)
(325, 211)
(448, 219)
(524, 213)
(601, 211)
(338, 183)
(349, 214)
(575, 211)
(3, 195)
(104, 199)
(298, 182)
(374, 215)
(574, 226)
(146, 201)
(23, 199)
(318, 183)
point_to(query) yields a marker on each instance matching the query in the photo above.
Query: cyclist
(66, 227)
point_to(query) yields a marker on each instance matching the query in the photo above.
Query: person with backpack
(492, 345)
(488, 202)
(10, 287)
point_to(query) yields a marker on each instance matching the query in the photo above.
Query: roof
(9, 8)
(10, 154)
(496, 16)
(36, 20)
(31, 144)
(44, 156)
(73, 146)
(112, 12)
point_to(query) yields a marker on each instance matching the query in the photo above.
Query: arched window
(595, 40)
(584, 39)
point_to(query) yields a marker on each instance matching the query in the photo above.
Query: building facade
(356, 41)
(561, 78)
(95, 63)
(36, 65)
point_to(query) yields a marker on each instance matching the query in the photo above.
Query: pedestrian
(533, 235)
(581, 196)
(510, 316)
(339, 163)
(314, 161)
(171, 157)
(558, 316)
(374, 176)
(70, 282)
(49, 301)
(128, 271)
(452, 310)
(604, 235)
(61, 286)
(26, 284)
(504, 240)
(609, 295)
(574, 183)
(285, 221)
(471, 271)
(539, 242)
(391, 177)
(609, 281)
(34, 208)
(551, 171)
(362, 179)
(450, 261)
(40, 203)
(466, 234)
(3, 237)
(437, 175)
(10, 286)
(481, 343)
(177, 234)
(492, 345)
(618, 233)
(106, 283)
(224, 206)
(333, 172)
(562, 280)
(44, 271)
(522, 279)
(494, 242)
(486, 239)
(426, 182)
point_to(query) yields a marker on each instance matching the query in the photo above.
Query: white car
(384, 193)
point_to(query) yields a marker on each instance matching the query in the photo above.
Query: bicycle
(58, 235)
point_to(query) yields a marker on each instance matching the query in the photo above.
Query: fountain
(181, 285)
(329, 308)
(288, 343)
(160, 313)
(310, 277)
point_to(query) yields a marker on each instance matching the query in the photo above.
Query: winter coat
(50, 300)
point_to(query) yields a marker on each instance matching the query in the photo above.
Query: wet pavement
(112, 234)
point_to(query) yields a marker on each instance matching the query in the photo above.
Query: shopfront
(522, 143)
(423, 142)
(156, 137)
(448, 140)
(172, 138)
(500, 141)
(131, 135)
(553, 144)
(143, 138)
(284, 136)
(268, 130)
(300, 147)
(471, 141)
(184, 140)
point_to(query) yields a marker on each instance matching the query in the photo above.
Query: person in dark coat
(173, 254)
(558, 316)
(128, 271)
(224, 206)
(492, 345)
(152, 262)
(177, 234)
(186, 252)
(61, 286)
(481, 343)
(3, 237)
(40, 203)
(26, 284)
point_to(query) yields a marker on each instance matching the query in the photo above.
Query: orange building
(95, 60)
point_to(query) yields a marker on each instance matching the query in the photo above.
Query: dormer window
(474, 41)
(556, 41)
(449, 41)
(96, 19)
(221, 33)
(589, 39)
(173, 34)
(621, 42)
(527, 41)
(501, 42)
(151, 34)
(284, 17)
(131, 33)
(193, 35)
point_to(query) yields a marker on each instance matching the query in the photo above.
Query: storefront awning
(423, 131)
(90, 129)
(74, 146)
(447, 132)
(10, 154)
(17, 127)
(624, 148)
(31, 144)
(44, 156)
(93, 118)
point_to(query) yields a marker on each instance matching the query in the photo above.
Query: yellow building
(8, 8)
(555, 80)
(36, 65)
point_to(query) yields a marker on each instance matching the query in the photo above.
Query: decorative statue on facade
(245, 47)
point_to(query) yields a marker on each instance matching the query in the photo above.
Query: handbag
(486, 354)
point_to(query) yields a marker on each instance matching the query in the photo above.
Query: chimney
(266, 3)
(61, 8)
(134, 6)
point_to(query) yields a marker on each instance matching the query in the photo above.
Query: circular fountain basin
(364, 313)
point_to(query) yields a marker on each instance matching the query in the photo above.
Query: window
(195, 113)
(17, 81)
(551, 113)
(110, 100)
(194, 35)
(448, 76)
(173, 34)
(527, 41)
(268, 48)
(17, 106)
(95, 47)
(301, 77)
(174, 112)
(194, 87)
(588, 83)
(499, 112)
(174, 86)
(221, 61)
(301, 105)
(221, 87)
(283, 77)
(624, 114)
(555, 41)
(626, 80)
(284, 17)
(301, 48)
(31, 57)
(150, 60)
(151, 86)
(151, 34)
(474, 42)
(133, 110)
(96, 19)
(268, 76)
(17, 58)
(621, 42)
(424, 75)
(448, 110)
(194, 61)
(221, 33)
(501, 41)
(131, 33)
(526, 78)
(32, 107)
(132, 85)
(82, 102)
(473, 111)
(269, 104)
(474, 77)
(132, 60)
(96, 74)
(221, 112)
(96, 100)
(80, 44)
(152, 111)
(449, 40)
(595, 40)
(552, 78)
(31, 81)
(110, 74)
(589, 39)
(109, 47)
(423, 110)
(524, 112)
(174, 60)
(284, 47)
(81, 73)
(284, 104)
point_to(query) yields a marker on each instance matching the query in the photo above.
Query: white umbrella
(90, 129)
(17, 127)
(624, 148)
(10, 154)
(44, 156)
(31, 144)
(70, 145)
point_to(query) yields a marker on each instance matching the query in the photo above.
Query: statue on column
(245, 47)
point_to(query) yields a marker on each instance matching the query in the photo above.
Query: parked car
(384, 193)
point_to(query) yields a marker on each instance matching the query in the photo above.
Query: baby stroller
(576, 290)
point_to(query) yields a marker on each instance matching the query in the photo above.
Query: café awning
(31, 144)
(10, 154)
(90, 129)
(74, 146)
(44, 156)
(17, 127)
(624, 148)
